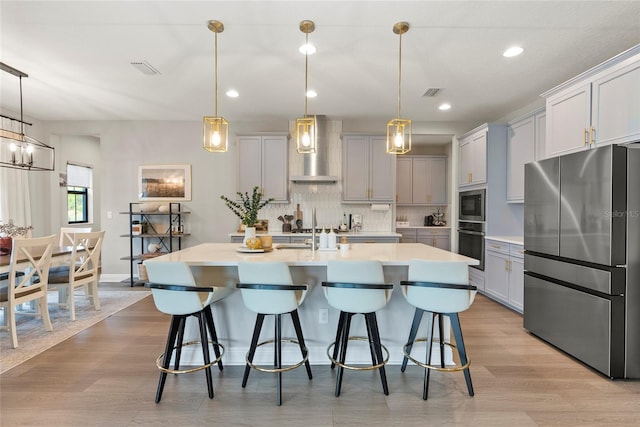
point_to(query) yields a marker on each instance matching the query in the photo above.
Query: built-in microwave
(472, 205)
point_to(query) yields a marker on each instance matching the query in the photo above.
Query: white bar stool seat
(175, 292)
(441, 289)
(357, 287)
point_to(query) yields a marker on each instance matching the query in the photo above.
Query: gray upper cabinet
(368, 172)
(421, 180)
(599, 107)
(263, 160)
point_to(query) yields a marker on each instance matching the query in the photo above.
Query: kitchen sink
(292, 246)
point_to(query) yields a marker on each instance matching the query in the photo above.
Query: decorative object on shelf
(163, 183)
(17, 149)
(306, 126)
(8, 231)
(248, 207)
(154, 247)
(215, 130)
(398, 129)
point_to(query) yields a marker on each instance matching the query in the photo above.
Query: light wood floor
(106, 375)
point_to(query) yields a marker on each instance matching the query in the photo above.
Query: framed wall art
(164, 182)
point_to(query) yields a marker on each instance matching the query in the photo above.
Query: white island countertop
(389, 254)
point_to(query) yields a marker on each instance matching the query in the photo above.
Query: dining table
(215, 264)
(60, 255)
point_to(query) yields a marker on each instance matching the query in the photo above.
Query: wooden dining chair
(27, 280)
(66, 234)
(83, 270)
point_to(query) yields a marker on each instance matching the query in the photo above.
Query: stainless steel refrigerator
(582, 256)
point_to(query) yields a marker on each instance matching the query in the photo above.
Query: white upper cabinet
(523, 138)
(368, 172)
(263, 160)
(598, 107)
(473, 159)
(421, 180)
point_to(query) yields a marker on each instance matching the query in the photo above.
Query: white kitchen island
(215, 264)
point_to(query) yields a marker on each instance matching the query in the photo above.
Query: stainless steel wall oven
(471, 241)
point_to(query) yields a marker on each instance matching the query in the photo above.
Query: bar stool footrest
(194, 369)
(284, 368)
(435, 367)
(354, 367)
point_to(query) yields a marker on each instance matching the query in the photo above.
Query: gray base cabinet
(504, 273)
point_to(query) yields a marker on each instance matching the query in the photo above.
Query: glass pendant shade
(399, 136)
(306, 135)
(215, 134)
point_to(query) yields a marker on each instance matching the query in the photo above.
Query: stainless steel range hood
(315, 165)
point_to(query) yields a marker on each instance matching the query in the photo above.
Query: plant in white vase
(247, 209)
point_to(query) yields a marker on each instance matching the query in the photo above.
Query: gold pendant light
(399, 130)
(306, 136)
(215, 130)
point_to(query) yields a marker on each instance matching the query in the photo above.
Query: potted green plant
(247, 209)
(8, 231)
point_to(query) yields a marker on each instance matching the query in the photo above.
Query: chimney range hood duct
(315, 164)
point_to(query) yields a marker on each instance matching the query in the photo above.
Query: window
(78, 193)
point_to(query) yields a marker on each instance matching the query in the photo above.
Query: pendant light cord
(216, 75)
(306, 67)
(399, 74)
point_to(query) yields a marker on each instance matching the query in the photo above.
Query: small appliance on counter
(428, 221)
(438, 218)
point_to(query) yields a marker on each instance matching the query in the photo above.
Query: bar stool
(267, 288)
(442, 289)
(357, 287)
(175, 292)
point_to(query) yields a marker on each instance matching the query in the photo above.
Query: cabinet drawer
(497, 246)
(425, 232)
(407, 233)
(516, 250)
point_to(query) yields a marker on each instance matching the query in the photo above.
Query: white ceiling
(78, 56)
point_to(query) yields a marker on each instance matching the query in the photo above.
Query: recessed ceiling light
(311, 93)
(513, 51)
(232, 93)
(444, 107)
(307, 49)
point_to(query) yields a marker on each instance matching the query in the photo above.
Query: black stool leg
(336, 346)
(278, 357)
(305, 352)
(344, 338)
(204, 340)
(168, 351)
(417, 318)
(370, 336)
(378, 350)
(457, 333)
(427, 371)
(176, 363)
(441, 335)
(252, 347)
(214, 336)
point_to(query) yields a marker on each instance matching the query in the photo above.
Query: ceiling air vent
(432, 91)
(145, 68)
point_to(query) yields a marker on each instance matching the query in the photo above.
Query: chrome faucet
(313, 230)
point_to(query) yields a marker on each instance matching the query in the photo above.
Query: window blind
(78, 176)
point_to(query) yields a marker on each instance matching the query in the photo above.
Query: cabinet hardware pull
(506, 265)
(586, 136)
(593, 135)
